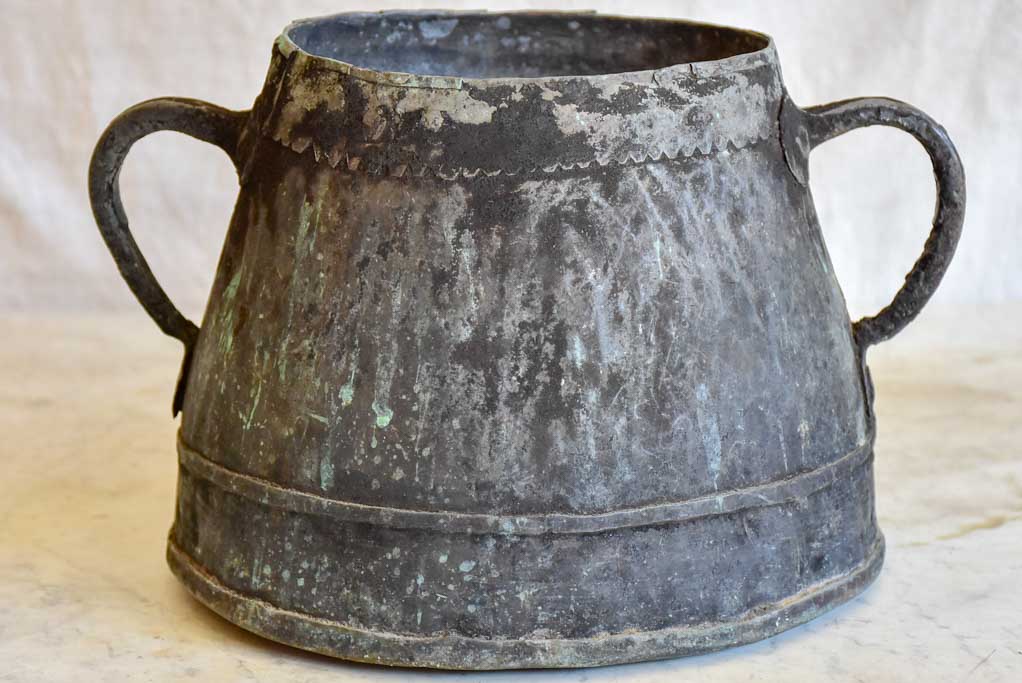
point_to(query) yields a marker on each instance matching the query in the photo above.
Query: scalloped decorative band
(368, 166)
(508, 127)
(723, 502)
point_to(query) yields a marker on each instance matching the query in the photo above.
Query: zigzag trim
(339, 158)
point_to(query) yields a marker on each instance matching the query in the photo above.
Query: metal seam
(734, 500)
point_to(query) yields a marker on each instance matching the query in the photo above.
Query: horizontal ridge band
(272, 494)
(452, 651)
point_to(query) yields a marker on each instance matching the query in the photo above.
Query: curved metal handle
(200, 120)
(830, 120)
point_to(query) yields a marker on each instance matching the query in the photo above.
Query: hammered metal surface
(531, 355)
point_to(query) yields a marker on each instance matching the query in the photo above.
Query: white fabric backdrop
(66, 68)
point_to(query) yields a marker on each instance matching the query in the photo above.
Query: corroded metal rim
(316, 104)
(773, 493)
(456, 652)
(399, 79)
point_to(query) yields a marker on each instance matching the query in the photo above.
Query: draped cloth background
(66, 68)
(87, 453)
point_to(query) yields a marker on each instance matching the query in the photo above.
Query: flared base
(457, 652)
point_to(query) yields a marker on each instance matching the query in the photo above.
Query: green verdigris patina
(524, 349)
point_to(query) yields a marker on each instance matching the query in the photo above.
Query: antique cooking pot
(524, 349)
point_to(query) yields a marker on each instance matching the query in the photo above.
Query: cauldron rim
(290, 44)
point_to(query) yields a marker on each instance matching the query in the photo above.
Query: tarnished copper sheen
(524, 349)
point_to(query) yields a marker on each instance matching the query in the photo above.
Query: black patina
(524, 349)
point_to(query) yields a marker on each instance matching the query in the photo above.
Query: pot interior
(516, 45)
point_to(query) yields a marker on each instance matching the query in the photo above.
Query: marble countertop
(87, 496)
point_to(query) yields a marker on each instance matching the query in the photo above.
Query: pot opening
(528, 45)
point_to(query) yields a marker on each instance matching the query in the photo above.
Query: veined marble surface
(87, 496)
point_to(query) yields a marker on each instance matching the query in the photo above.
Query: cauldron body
(538, 362)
